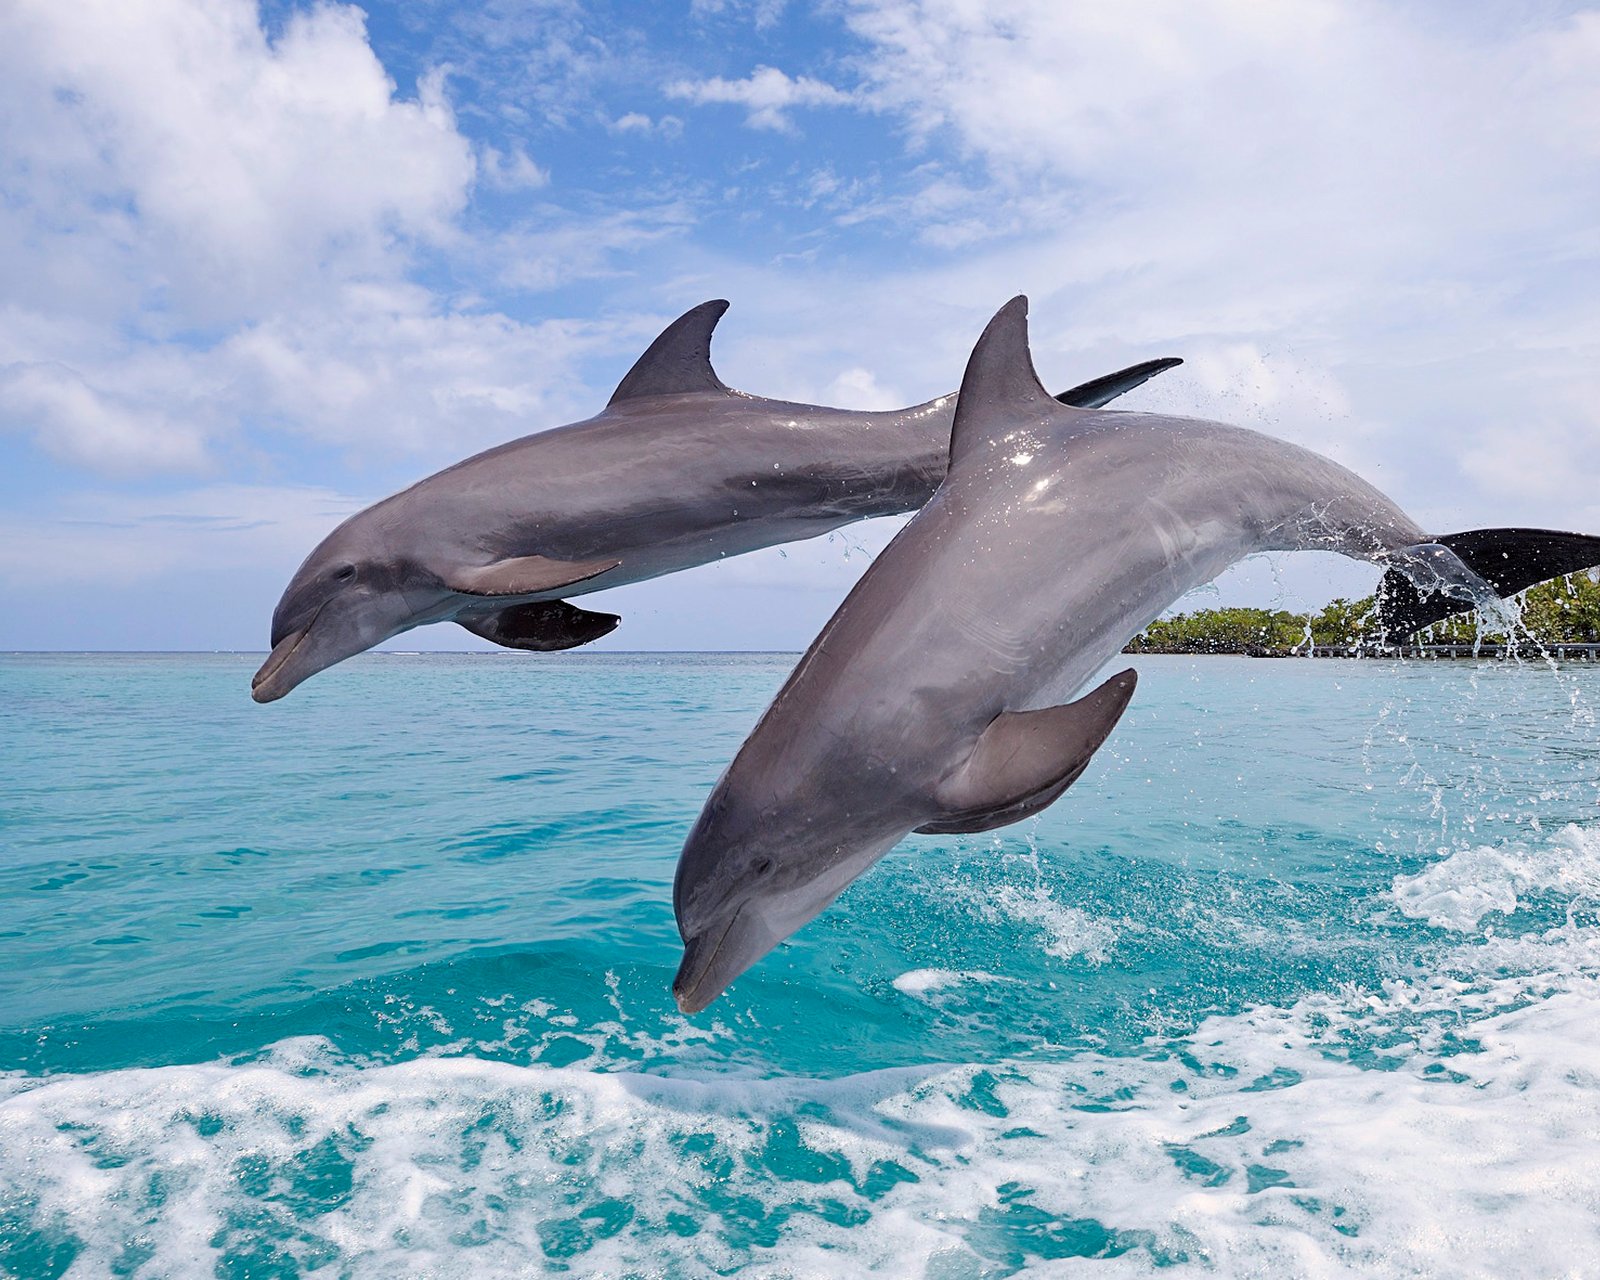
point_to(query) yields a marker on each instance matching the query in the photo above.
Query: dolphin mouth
(698, 958)
(265, 685)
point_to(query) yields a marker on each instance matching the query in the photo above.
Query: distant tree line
(1565, 611)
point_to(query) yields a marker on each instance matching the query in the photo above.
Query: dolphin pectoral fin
(543, 626)
(524, 576)
(1102, 391)
(971, 824)
(678, 361)
(1024, 760)
(1509, 560)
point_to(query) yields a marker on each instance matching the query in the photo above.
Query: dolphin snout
(267, 685)
(718, 954)
(692, 988)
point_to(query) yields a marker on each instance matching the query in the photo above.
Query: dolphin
(932, 700)
(678, 470)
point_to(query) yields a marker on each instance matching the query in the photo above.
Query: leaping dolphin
(931, 700)
(677, 471)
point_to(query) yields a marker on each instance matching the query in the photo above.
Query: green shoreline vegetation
(1565, 611)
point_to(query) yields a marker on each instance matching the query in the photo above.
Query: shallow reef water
(1301, 978)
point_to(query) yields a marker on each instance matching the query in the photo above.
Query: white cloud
(78, 423)
(381, 369)
(1368, 229)
(1269, 391)
(637, 122)
(512, 172)
(762, 13)
(386, 370)
(1378, 226)
(858, 388)
(206, 233)
(1297, 144)
(170, 175)
(1548, 461)
(225, 171)
(767, 94)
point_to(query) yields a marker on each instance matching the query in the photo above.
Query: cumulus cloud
(1391, 212)
(81, 424)
(225, 170)
(767, 94)
(209, 233)
(172, 175)
(381, 369)
(386, 369)
(1335, 133)
(1314, 206)
(1366, 228)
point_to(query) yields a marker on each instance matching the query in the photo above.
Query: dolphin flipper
(1024, 760)
(524, 576)
(1509, 560)
(544, 626)
(1103, 390)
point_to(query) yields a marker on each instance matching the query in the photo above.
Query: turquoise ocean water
(1302, 978)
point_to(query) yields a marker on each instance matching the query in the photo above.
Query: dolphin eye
(345, 574)
(763, 867)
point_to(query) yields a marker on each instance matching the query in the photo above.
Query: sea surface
(1301, 979)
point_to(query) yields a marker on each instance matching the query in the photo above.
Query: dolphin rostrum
(932, 699)
(677, 471)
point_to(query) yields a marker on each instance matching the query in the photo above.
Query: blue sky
(263, 265)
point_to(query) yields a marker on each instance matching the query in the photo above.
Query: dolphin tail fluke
(1508, 560)
(1103, 390)
(1024, 760)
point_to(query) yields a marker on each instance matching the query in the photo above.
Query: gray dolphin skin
(931, 701)
(677, 471)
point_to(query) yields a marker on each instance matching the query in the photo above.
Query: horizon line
(381, 653)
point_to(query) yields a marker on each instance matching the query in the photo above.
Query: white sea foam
(1463, 887)
(1068, 931)
(1447, 1127)
(923, 982)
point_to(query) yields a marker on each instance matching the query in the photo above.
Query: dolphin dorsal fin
(678, 361)
(1024, 760)
(1000, 383)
